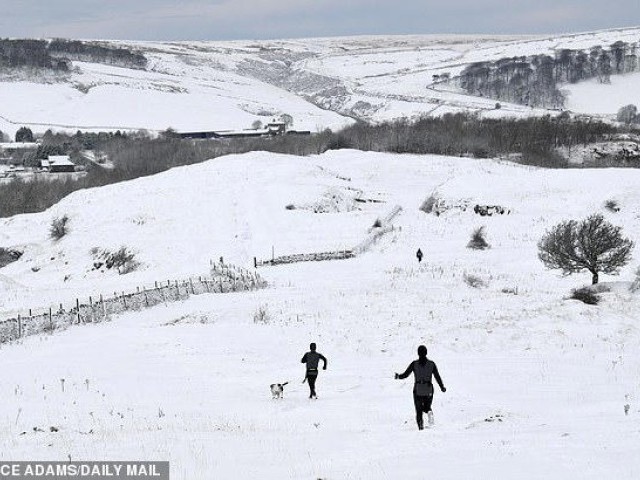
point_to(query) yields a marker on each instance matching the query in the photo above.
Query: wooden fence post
(146, 300)
(193, 292)
(78, 309)
(50, 320)
(124, 301)
(19, 326)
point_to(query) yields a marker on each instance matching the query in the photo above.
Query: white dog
(277, 390)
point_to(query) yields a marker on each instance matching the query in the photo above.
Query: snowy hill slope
(322, 83)
(537, 384)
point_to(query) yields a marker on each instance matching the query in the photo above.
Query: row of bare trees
(535, 80)
(56, 55)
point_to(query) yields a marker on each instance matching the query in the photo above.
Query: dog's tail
(285, 383)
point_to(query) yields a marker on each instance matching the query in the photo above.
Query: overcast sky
(269, 19)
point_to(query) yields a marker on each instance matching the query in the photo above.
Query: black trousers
(311, 378)
(423, 405)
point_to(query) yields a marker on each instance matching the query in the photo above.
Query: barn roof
(59, 160)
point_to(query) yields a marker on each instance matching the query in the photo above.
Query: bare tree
(286, 119)
(627, 114)
(592, 244)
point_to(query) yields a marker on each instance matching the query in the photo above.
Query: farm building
(58, 164)
(270, 130)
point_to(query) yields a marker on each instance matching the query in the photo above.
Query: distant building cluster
(12, 160)
(271, 129)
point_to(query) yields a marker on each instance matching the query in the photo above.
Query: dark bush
(612, 205)
(123, 260)
(478, 240)
(8, 255)
(59, 227)
(585, 295)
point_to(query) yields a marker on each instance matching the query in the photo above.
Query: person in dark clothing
(312, 359)
(423, 369)
(419, 255)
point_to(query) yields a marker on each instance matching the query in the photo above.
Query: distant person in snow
(419, 255)
(312, 358)
(422, 369)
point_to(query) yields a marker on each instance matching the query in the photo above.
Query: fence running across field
(306, 257)
(375, 234)
(224, 278)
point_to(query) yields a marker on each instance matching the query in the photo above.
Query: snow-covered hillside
(321, 83)
(536, 384)
(594, 97)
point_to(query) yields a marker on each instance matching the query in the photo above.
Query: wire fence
(223, 278)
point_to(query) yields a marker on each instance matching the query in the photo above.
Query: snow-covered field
(536, 384)
(605, 99)
(322, 83)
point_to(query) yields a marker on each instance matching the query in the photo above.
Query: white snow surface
(536, 383)
(605, 99)
(321, 82)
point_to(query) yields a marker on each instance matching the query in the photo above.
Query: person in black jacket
(312, 358)
(423, 369)
(419, 255)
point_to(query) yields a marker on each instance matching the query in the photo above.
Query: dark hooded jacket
(423, 370)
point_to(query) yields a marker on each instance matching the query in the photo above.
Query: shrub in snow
(612, 205)
(291, 206)
(473, 281)
(585, 295)
(59, 227)
(377, 223)
(261, 316)
(592, 244)
(478, 240)
(123, 260)
(8, 255)
(428, 205)
(510, 290)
